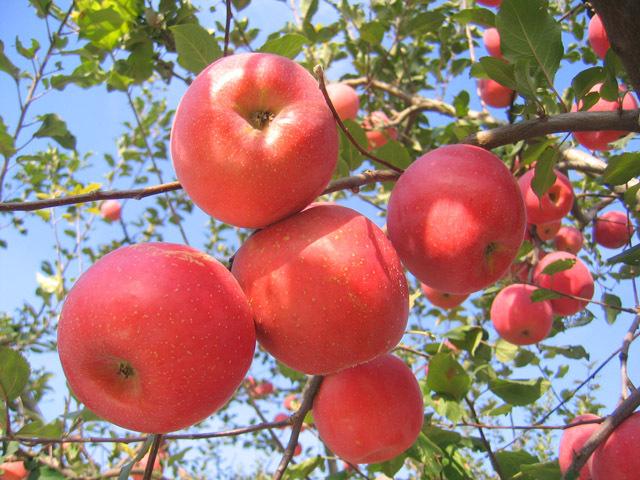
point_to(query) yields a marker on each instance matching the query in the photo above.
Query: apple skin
(494, 94)
(575, 281)
(598, 38)
(377, 132)
(326, 287)
(110, 210)
(490, 3)
(569, 239)
(519, 320)
(612, 229)
(491, 38)
(262, 389)
(616, 458)
(13, 471)
(370, 413)
(600, 140)
(572, 441)
(150, 325)
(555, 203)
(345, 100)
(456, 218)
(547, 231)
(442, 299)
(228, 164)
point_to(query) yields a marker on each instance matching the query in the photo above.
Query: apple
(251, 127)
(344, 99)
(600, 140)
(281, 417)
(149, 326)
(519, 271)
(298, 450)
(616, 458)
(612, 229)
(569, 239)
(519, 320)
(494, 94)
(262, 389)
(576, 281)
(456, 218)
(326, 287)
(598, 36)
(554, 204)
(572, 441)
(489, 3)
(377, 130)
(442, 299)
(547, 231)
(369, 413)
(13, 471)
(110, 210)
(491, 38)
(292, 402)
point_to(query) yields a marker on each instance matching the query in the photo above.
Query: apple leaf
(505, 351)
(372, 32)
(630, 256)
(424, 22)
(14, 373)
(518, 392)
(7, 145)
(544, 176)
(511, 462)
(393, 152)
(54, 127)
(288, 45)
(500, 71)
(612, 313)
(541, 294)
(37, 428)
(559, 266)
(46, 473)
(467, 337)
(575, 352)
(584, 81)
(304, 468)
(542, 471)
(196, 47)
(622, 168)
(390, 467)
(6, 65)
(127, 467)
(447, 377)
(428, 454)
(348, 153)
(480, 16)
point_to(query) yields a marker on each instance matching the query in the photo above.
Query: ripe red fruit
(281, 417)
(456, 218)
(572, 441)
(569, 239)
(369, 413)
(110, 210)
(519, 320)
(262, 389)
(600, 140)
(377, 131)
(491, 38)
(616, 458)
(555, 203)
(345, 100)
(612, 229)
(13, 471)
(490, 3)
(326, 287)
(494, 94)
(546, 231)
(298, 450)
(253, 126)
(576, 281)
(150, 325)
(598, 36)
(442, 299)
(291, 402)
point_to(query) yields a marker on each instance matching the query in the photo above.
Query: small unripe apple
(494, 94)
(377, 130)
(576, 281)
(519, 320)
(456, 218)
(546, 231)
(572, 441)
(13, 471)
(489, 3)
(369, 413)
(344, 99)
(617, 457)
(326, 287)
(491, 38)
(554, 204)
(442, 299)
(110, 210)
(612, 229)
(569, 239)
(598, 36)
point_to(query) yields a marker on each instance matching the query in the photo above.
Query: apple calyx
(261, 119)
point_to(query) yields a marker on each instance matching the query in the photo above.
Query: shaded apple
(569, 239)
(546, 231)
(377, 130)
(442, 299)
(344, 99)
(494, 94)
(491, 39)
(554, 204)
(617, 457)
(598, 38)
(612, 229)
(572, 441)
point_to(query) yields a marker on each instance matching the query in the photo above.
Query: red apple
(292, 402)
(494, 94)
(554, 204)
(616, 458)
(576, 281)
(281, 417)
(369, 413)
(546, 231)
(598, 36)
(600, 140)
(326, 287)
(251, 127)
(110, 210)
(377, 131)
(519, 320)
(442, 299)
(344, 99)
(13, 471)
(298, 450)
(261, 389)
(569, 239)
(149, 326)
(572, 441)
(612, 229)
(456, 218)
(491, 38)
(489, 3)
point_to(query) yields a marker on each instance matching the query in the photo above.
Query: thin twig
(227, 29)
(485, 442)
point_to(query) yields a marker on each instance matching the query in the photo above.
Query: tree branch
(487, 445)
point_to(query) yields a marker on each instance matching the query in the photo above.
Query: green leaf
(7, 146)
(500, 71)
(308, 9)
(42, 7)
(559, 266)
(575, 352)
(544, 176)
(390, 467)
(442, 438)
(348, 153)
(447, 377)
(290, 373)
(424, 22)
(46, 473)
(288, 45)
(372, 32)
(54, 127)
(126, 469)
(196, 47)
(584, 81)
(27, 52)
(14, 373)
(622, 168)
(38, 429)
(511, 462)
(461, 104)
(467, 337)
(542, 471)
(481, 16)
(6, 65)
(304, 468)
(541, 294)
(427, 453)
(505, 351)
(631, 256)
(106, 25)
(518, 392)
(612, 313)
(393, 152)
